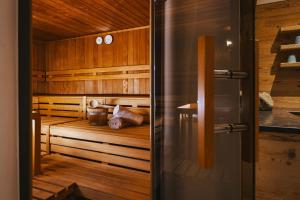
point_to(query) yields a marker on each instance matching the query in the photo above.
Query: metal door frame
(24, 93)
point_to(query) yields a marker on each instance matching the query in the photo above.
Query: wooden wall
(277, 169)
(128, 48)
(38, 66)
(131, 47)
(283, 84)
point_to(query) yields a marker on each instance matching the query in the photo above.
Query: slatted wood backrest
(103, 73)
(75, 106)
(140, 105)
(62, 106)
(35, 103)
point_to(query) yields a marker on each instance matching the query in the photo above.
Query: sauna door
(203, 99)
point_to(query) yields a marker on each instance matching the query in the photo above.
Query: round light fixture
(99, 40)
(108, 39)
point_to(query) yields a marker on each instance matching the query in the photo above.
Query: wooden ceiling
(59, 19)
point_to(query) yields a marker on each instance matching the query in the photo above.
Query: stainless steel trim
(229, 74)
(230, 128)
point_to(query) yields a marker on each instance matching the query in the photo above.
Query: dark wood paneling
(53, 20)
(128, 48)
(283, 84)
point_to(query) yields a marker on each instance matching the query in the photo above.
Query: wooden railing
(102, 73)
(36, 143)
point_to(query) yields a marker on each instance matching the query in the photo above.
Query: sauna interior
(87, 58)
(278, 57)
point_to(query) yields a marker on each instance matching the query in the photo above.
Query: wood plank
(100, 70)
(132, 136)
(57, 182)
(263, 2)
(44, 148)
(94, 194)
(62, 113)
(133, 176)
(117, 160)
(104, 148)
(100, 77)
(48, 187)
(60, 99)
(98, 178)
(83, 55)
(41, 194)
(134, 102)
(60, 189)
(290, 28)
(60, 107)
(59, 20)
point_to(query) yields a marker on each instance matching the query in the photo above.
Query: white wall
(8, 101)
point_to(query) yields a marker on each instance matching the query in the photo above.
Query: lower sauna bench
(127, 147)
(97, 181)
(104, 163)
(46, 122)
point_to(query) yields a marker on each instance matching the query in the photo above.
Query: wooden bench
(46, 123)
(128, 147)
(98, 158)
(56, 110)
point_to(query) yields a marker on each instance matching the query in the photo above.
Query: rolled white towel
(128, 116)
(265, 101)
(117, 123)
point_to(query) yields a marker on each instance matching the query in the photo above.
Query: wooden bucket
(97, 116)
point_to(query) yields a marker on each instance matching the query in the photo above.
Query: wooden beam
(36, 145)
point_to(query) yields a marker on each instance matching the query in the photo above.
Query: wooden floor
(278, 167)
(96, 180)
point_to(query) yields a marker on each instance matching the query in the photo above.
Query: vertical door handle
(206, 59)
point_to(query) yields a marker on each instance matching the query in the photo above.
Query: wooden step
(45, 189)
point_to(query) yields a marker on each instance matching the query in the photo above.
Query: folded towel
(117, 123)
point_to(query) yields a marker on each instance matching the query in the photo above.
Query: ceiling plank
(55, 20)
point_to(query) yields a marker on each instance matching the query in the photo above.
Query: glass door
(204, 99)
